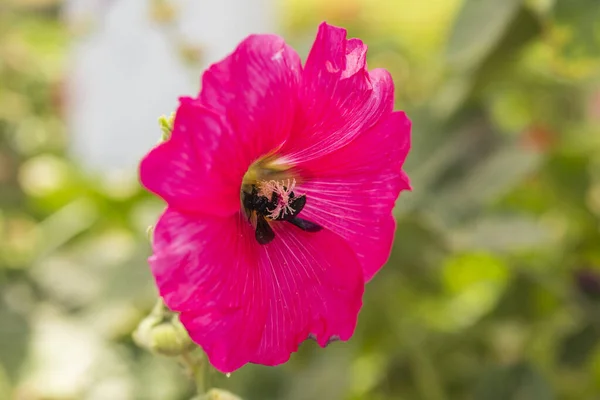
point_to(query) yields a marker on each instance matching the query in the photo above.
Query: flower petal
(339, 98)
(196, 170)
(314, 285)
(245, 302)
(245, 111)
(255, 89)
(353, 190)
(206, 269)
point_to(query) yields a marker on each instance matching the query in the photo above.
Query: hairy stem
(196, 369)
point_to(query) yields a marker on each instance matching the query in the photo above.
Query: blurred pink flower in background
(280, 182)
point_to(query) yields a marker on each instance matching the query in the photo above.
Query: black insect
(263, 206)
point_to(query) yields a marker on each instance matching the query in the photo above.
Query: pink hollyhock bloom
(280, 182)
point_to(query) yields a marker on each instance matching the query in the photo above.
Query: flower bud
(218, 394)
(168, 340)
(161, 332)
(166, 125)
(150, 233)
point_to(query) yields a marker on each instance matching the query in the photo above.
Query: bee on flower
(280, 180)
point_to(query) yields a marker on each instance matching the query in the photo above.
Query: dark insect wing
(305, 225)
(262, 205)
(264, 233)
(298, 204)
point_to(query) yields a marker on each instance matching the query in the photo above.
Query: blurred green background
(493, 288)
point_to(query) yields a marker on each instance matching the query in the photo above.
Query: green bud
(150, 232)
(161, 332)
(142, 336)
(219, 394)
(166, 126)
(167, 339)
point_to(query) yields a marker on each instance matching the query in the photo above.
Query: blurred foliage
(493, 287)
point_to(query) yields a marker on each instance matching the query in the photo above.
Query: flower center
(281, 197)
(268, 196)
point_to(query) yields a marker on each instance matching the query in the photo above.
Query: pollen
(282, 195)
(271, 201)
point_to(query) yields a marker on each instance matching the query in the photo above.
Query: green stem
(197, 371)
(426, 376)
(158, 309)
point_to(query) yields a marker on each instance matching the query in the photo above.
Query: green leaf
(479, 26)
(4, 384)
(493, 178)
(466, 271)
(14, 336)
(436, 155)
(517, 382)
(503, 233)
(580, 19)
(576, 348)
(473, 284)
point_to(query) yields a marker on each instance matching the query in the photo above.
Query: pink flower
(280, 182)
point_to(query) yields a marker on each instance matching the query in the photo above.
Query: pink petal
(206, 268)
(353, 191)
(314, 285)
(255, 89)
(244, 112)
(197, 169)
(245, 302)
(339, 98)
